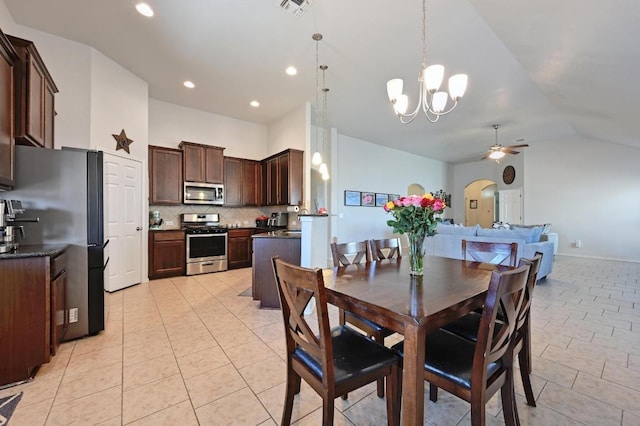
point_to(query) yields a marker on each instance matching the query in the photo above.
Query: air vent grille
(297, 7)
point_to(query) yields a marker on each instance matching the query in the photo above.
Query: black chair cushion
(467, 326)
(353, 355)
(451, 357)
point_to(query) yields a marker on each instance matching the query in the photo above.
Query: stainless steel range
(206, 243)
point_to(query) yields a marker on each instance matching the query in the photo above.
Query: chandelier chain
(424, 35)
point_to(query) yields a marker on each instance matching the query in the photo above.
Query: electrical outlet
(73, 315)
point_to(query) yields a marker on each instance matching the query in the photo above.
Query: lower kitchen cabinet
(239, 248)
(33, 310)
(59, 317)
(167, 256)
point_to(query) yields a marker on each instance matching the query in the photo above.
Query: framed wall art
(393, 197)
(368, 199)
(351, 198)
(381, 199)
(473, 204)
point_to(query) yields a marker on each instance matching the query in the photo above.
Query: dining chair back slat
(386, 248)
(490, 252)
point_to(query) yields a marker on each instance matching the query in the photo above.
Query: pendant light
(316, 158)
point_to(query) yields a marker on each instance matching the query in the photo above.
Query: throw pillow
(528, 235)
(468, 231)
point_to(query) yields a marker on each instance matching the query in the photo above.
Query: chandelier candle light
(432, 101)
(414, 215)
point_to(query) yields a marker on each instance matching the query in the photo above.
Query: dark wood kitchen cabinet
(34, 96)
(59, 317)
(241, 182)
(33, 316)
(8, 59)
(165, 176)
(167, 255)
(282, 178)
(239, 248)
(202, 163)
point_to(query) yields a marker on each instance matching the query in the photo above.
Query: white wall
(291, 131)
(119, 100)
(169, 124)
(589, 191)
(363, 166)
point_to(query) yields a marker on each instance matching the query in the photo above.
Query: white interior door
(123, 221)
(510, 206)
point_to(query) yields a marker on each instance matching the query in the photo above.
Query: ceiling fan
(497, 151)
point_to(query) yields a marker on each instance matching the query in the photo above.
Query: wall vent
(297, 7)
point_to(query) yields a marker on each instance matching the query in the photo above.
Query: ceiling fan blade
(508, 150)
(484, 157)
(517, 146)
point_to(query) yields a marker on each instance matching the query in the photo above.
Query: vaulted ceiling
(544, 69)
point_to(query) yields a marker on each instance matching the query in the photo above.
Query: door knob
(139, 228)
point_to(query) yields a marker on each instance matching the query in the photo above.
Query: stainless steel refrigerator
(64, 188)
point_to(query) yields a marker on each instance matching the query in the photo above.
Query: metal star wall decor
(122, 141)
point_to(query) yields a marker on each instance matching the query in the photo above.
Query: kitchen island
(284, 243)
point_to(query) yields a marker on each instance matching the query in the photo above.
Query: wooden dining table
(414, 306)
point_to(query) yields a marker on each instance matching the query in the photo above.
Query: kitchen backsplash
(232, 217)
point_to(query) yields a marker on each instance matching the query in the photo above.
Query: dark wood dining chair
(359, 251)
(336, 361)
(490, 252)
(389, 245)
(475, 371)
(468, 326)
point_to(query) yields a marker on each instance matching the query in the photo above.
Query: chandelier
(432, 101)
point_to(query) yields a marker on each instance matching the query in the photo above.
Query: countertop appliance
(64, 188)
(278, 219)
(155, 221)
(10, 214)
(206, 243)
(203, 193)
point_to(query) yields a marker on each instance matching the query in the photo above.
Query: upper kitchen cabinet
(202, 163)
(282, 178)
(8, 58)
(34, 96)
(241, 182)
(165, 175)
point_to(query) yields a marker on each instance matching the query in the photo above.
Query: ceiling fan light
(457, 86)
(316, 159)
(496, 155)
(394, 88)
(432, 76)
(439, 102)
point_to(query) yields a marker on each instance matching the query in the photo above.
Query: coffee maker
(9, 231)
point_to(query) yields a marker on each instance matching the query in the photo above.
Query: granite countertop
(34, 251)
(281, 233)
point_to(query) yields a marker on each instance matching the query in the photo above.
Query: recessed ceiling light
(144, 9)
(254, 104)
(189, 84)
(292, 70)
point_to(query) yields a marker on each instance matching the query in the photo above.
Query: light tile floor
(190, 350)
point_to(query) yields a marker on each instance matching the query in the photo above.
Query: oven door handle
(207, 263)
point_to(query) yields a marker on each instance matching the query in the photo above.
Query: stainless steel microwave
(203, 193)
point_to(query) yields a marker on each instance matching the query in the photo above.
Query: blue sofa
(448, 242)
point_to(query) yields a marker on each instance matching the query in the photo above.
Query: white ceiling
(545, 69)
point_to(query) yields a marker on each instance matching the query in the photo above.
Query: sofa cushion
(539, 230)
(457, 230)
(529, 235)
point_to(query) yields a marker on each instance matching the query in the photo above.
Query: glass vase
(416, 252)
